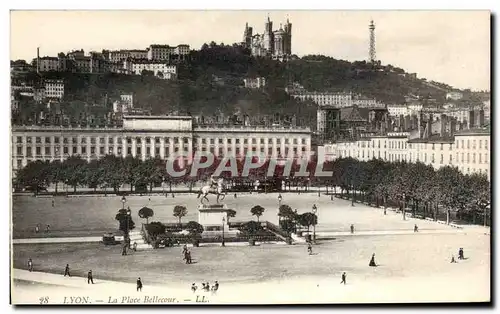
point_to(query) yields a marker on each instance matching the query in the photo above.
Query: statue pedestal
(212, 217)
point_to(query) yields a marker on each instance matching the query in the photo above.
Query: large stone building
(440, 143)
(151, 136)
(276, 44)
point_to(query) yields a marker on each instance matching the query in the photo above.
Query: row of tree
(415, 185)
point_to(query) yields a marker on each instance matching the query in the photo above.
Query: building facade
(54, 89)
(398, 110)
(468, 150)
(159, 68)
(257, 82)
(150, 136)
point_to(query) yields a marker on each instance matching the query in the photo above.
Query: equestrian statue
(216, 187)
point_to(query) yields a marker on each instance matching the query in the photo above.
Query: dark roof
(353, 114)
(435, 138)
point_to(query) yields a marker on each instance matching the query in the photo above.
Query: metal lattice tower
(373, 56)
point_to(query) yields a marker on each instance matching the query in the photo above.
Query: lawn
(87, 216)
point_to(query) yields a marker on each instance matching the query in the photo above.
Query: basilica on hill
(275, 44)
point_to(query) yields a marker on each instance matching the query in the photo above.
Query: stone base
(213, 216)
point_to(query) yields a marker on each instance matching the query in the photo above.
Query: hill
(212, 83)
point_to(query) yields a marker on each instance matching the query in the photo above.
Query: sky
(451, 47)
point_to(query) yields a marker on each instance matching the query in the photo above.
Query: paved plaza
(413, 266)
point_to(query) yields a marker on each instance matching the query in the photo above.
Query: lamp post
(279, 205)
(404, 206)
(124, 200)
(223, 221)
(129, 214)
(483, 205)
(314, 211)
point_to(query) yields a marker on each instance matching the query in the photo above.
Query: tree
(125, 222)
(146, 213)
(159, 74)
(155, 229)
(252, 228)
(194, 228)
(74, 171)
(179, 212)
(307, 220)
(231, 213)
(257, 211)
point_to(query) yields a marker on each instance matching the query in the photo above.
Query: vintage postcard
(250, 157)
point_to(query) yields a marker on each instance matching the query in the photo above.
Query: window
(84, 149)
(485, 144)
(65, 150)
(19, 151)
(473, 144)
(84, 140)
(237, 141)
(157, 140)
(463, 146)
(245, 141)
(92, 150)
(254, 141)
(473, 158)
(138, 140)
(19, 139)
(138, 151)
(468, 159)
(38, 140)
(148, 140)
(148, 151)
(480, 144)
(462, 157)
(229, 141)
(486, 158)
(262, 141)
(442, 146)
(441, 159)
(110, 140)
(278, 141)
(425, 157)
(101, 150)
(432, 146)
(157, 151)
(74, 150)
(479, 155)
(451, 160)
(220, 141)
(468, 144)
(56, 140)
(47, 151)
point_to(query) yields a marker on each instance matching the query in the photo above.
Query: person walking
(30, 265)
(352, 228)
(47, 229)
(66, 271)
(90, 278)
(37, 228)
(216, 286)
(372, 261)
(52, 202)
(453, 259)
(461, 253)
(139, 284)
(184, 250)
(194, 287)
(134, 247)
(309, 248)
(343, 278)
(415, 229)
(189, 260)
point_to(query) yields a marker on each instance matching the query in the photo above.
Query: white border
(196, 4)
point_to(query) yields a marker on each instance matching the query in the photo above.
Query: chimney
(443, 122)
(480, 122)
(420, 125)
(428, 129)
(407, 124)
(37, 59)
(453, 126)
(471, 120)
(401, 122)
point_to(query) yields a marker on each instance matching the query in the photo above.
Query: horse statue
(216, 187)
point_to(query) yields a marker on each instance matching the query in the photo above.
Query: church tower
(268, 36)
(247, 36)
(288, 38)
